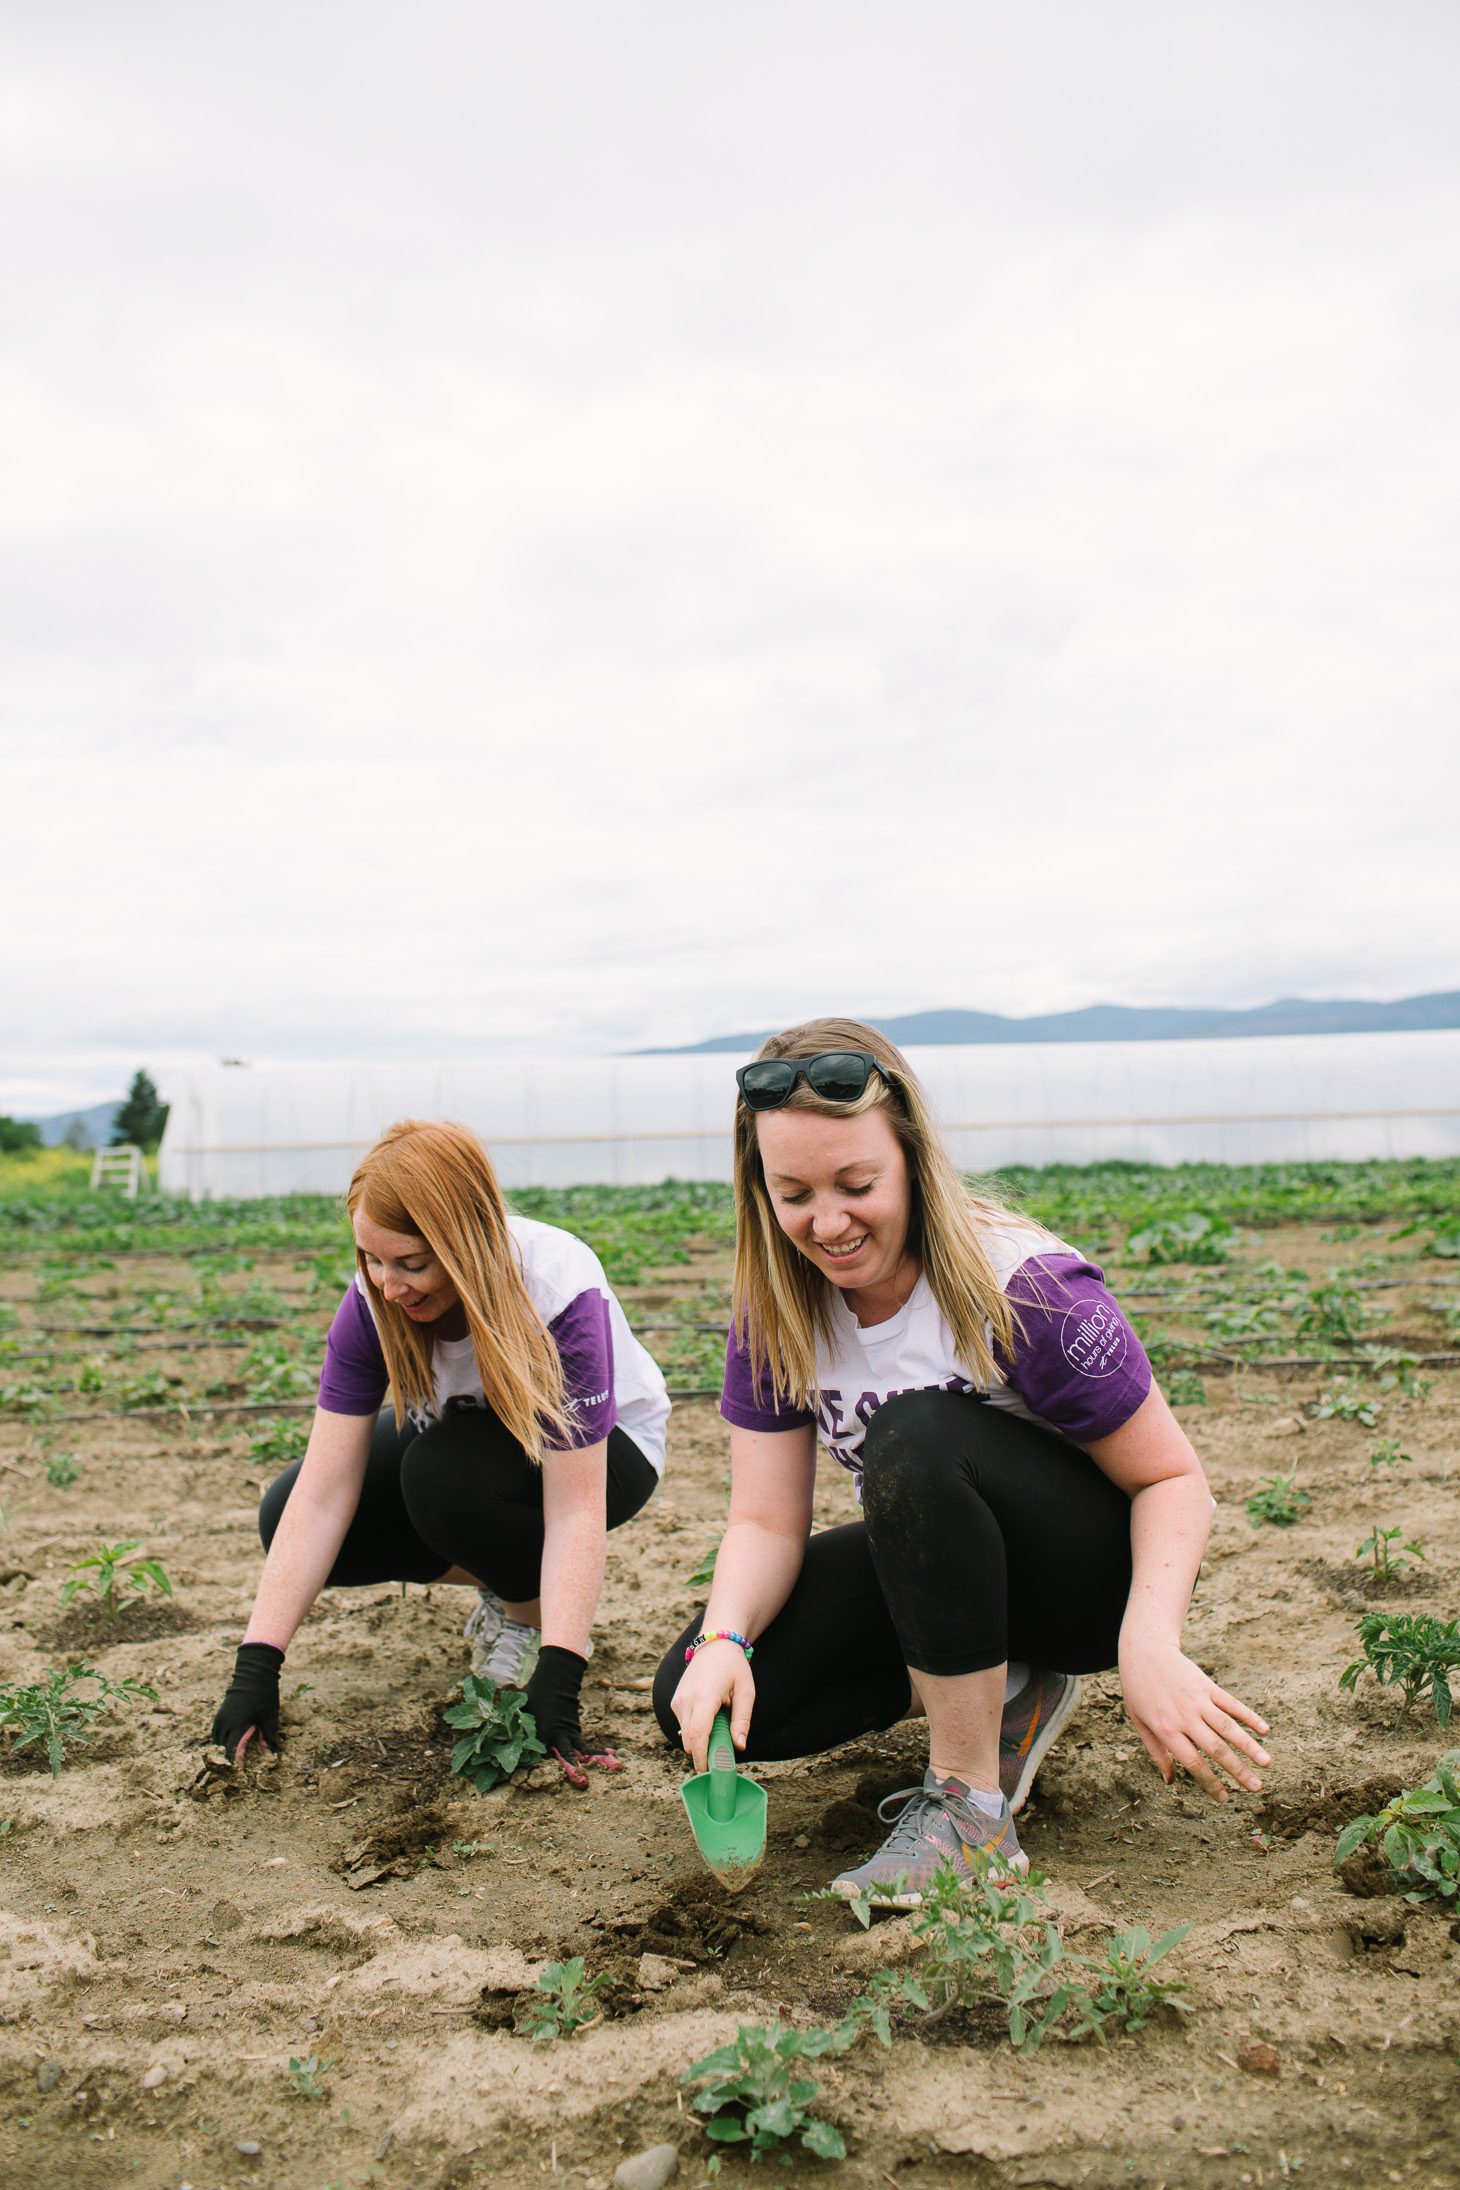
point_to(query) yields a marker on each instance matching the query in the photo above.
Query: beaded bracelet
(719, 1634)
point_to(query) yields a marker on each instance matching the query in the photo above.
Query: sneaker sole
(1044, 1741)
(912, 1898)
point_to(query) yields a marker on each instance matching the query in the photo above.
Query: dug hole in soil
(172, 1935)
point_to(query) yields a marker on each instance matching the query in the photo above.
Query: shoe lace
(907, 1823)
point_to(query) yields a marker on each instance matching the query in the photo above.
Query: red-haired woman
(527, 1422)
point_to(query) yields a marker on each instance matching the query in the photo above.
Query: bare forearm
(305, 1547)
(572, 1579)
(1170, 1522)
(755, 1573)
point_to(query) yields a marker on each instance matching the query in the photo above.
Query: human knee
(273, 1502)
(908, 1441)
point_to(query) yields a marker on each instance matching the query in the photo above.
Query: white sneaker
(483, 1627)
(512, 1655)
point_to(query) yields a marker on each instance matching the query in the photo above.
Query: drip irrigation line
(187, 1410)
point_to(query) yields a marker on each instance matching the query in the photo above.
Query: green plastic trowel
(727, 1812)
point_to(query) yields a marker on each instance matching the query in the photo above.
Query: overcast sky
(575, 526)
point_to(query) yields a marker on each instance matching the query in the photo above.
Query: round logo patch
(1094, 1338)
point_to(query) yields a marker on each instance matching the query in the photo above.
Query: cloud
(580, 531)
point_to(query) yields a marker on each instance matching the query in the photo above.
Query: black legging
(984, 1538)
(459, 1493)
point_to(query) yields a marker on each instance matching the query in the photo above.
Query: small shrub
(54, 1713)
(109, 1574)
(757, 2092)
(1418, 1834)
(1412, 1651)
(562, 2001)
(1386, 1556)
(500, 1732)
(1277, 1501)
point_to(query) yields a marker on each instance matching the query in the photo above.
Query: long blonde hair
(782, 1302)
(436, 1182)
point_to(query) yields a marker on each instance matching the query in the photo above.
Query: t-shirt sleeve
(745, 1403)
(353, 1379)
(583, 1335)
(1076, 1361)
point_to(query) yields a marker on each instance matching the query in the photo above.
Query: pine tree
(142, 1116)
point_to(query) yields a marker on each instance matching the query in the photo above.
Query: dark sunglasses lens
(765, 1085)
(838, 1074)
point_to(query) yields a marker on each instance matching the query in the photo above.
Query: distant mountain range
(1134, 1023)
(98, 1123)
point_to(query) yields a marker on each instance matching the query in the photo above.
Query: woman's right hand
(250, 1710)
(717, 1678)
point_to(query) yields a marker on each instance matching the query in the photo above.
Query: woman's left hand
(1184, 1718)
(552, 1698)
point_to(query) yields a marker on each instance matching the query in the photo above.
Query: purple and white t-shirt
(1076, 1368)
(610, 1378)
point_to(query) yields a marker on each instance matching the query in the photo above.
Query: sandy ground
(169, 1939)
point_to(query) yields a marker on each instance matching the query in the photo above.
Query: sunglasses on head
(837, 1075)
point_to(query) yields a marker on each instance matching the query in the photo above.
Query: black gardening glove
(251, 1705)
(552, 1698)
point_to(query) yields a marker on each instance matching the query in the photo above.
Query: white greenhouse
(561, 1121)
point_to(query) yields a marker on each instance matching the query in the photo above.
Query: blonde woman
(1031, 1507)
(525, 1422)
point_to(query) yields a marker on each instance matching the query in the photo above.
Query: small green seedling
(1388, 1453)
(1418, 1834)
(1333, 1315)
(500, 1736)
(1342, 1405)
(466, 1849)
(61, 1470)
(271, 1372)
(1399, 1372)
(871, 2011)
(150, 1389)
(1188, 1236)
(1278, 1501)
(704, 1573)
(55, 1713)
(1386, 1555)
(755, 2091)
(112, 1577)
(279, 1440)
(562, 2001)
(1184, 1388)
(308, 2075)
(1412, 1651)
(1122, 1990)
(991, 1939)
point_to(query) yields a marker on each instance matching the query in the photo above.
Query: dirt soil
(171, 1935)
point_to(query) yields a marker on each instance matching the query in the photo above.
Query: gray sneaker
(937, 1828)
(1033, 1721)
(512, 1656)
(483, 1626)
